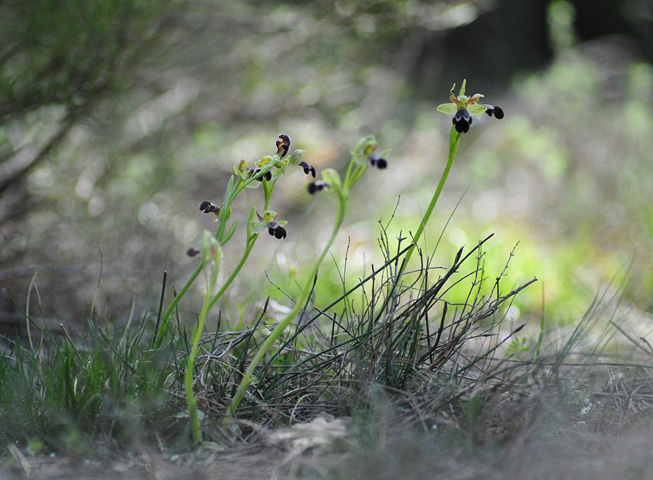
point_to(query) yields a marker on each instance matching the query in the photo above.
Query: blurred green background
(118, 117)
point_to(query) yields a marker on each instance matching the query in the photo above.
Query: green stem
(165, 319)
(196, 430)
(250, 244)
(305, 292)
(454, 140)
(209, 301)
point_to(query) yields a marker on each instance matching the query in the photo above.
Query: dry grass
(593, 423)
(413, 386)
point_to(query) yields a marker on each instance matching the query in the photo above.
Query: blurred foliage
(152, 103)
(63, 65)
(69, 53)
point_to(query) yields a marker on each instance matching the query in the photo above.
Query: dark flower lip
(314, 187)
(378, 161)
(208, 207)
(462, 120)
(308, 169)
(276, 230)
(494, 110)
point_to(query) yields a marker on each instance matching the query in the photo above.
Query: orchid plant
(463, 109)
(267, 172)
(363, 155)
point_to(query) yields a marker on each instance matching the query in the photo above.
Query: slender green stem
(209, 301)
(196, 430)
(166, 317)
(454, 140)
(305, 292)
(250, 244)
(219, 235)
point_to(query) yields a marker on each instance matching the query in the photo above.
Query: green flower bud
(332, 178)
(297, 156)
(211, 250)
(225, 213)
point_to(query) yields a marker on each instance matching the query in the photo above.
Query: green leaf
(230, 186)
(230, 233)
